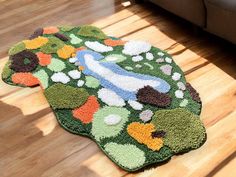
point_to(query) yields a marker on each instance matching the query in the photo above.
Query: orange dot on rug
(44, 59)
(81, 48)
(113, 43)
(66, 51)
(85, 112)
(81, 68)
(50, 30)
(26, 79)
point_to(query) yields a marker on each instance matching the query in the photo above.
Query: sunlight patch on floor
(46, 124)
(98, 161)
(146, 173)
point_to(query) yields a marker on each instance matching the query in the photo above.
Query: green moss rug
(128, 96)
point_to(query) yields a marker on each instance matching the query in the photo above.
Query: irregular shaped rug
(128, 96)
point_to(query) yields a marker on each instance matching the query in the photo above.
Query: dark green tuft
(66, 28)
(52, 45)
(184, 130)
(20, 46)
(62, 96)
(92, 31)
(6, 72)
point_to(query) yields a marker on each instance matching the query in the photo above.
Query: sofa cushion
(191, 10)
(221, 15)
(229, 5)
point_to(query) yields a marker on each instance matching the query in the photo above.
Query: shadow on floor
(13, 119)
(222, 164)
(85, 172)
(8, 112)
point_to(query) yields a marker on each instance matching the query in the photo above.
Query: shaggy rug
(128, 96)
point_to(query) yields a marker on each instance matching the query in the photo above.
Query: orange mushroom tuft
(85, 112)
(44, 59)
(26, 79)
(50, 30)
(113, 43)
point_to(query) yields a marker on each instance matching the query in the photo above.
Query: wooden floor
(31, 142)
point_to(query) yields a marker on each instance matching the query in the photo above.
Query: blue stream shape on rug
(113, 77)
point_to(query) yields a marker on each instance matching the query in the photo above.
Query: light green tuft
(101, 130)
(183, 103)
(75, 39)
(56, 65)
(62, 96)
(129, 68)
(42, 77)
(116, 58)
(91, 82)
(127, 155)
(184, 130)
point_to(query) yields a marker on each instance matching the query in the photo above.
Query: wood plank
(228, 170)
